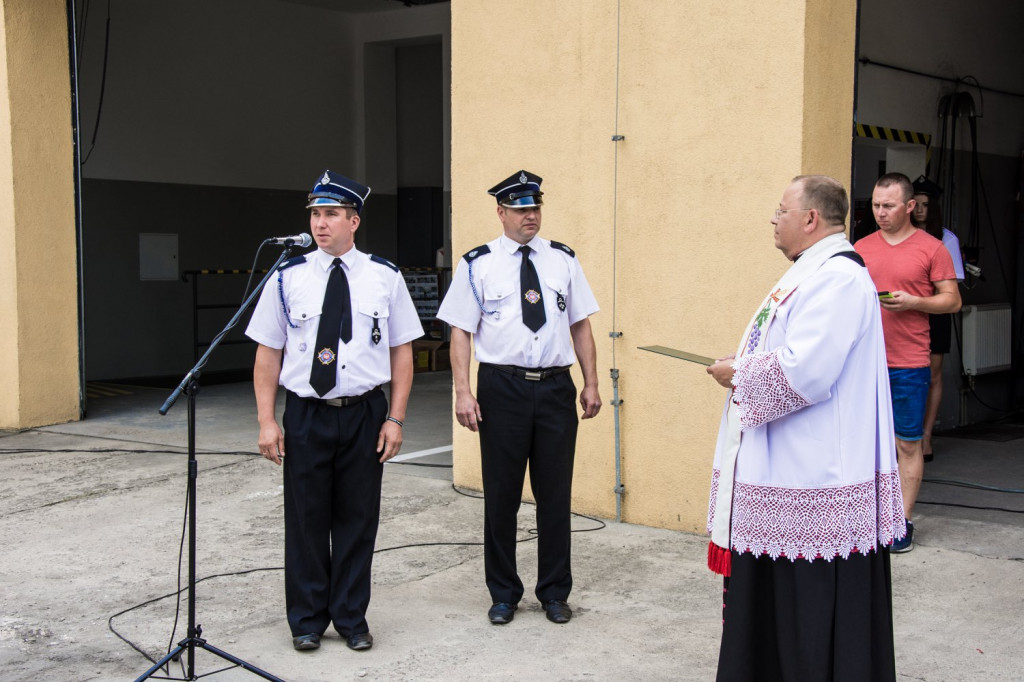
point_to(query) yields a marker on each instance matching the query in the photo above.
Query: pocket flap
(377, 309)
(304, 313)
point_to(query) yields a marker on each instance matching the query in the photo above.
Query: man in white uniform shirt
(525, 303)
(333, 327)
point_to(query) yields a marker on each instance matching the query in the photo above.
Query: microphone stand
(190, 386)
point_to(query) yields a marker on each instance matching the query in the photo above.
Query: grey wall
(138, 328)
(949, 38)
(216, 119)
(419, 112)
(233, 93)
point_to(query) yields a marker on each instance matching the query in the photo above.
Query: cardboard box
(430, 355)
(442, 359)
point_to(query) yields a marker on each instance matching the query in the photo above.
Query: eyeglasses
(780, 211)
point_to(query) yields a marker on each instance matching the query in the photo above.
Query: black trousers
(332, 480)
(808, 621)
(524, 422)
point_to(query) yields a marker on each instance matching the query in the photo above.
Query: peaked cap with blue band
(333, 189)
(520, 190)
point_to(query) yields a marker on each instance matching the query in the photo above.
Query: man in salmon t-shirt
(914, 276)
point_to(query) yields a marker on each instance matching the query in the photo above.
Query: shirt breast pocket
(373, 320)
(500, 299)
(304, 319)
(558, 292)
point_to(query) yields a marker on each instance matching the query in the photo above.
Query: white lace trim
(714, 497)
(762, 392)
(814, 522)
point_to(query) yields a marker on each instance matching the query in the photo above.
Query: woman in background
(928, 216)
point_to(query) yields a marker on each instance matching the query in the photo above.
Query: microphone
(303, 240)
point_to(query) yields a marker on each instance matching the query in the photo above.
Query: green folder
(681, 354)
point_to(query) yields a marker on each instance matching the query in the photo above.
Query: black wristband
(397, 421)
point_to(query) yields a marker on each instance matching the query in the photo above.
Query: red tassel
(719, 560)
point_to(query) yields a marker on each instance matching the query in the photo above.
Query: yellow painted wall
(38, 278)
(721, 104)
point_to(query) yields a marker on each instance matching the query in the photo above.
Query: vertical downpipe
(615, 334)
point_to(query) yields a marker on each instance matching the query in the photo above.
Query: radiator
(986, 338)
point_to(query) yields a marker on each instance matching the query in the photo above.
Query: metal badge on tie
(375, 333)
(326, 356)
(532, 296)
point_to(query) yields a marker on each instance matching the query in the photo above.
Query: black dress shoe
(361, 641)
(501, 613)
(558, 611)
(306, 642)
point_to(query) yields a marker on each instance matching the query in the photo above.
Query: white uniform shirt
(494, 313)
(288, 314)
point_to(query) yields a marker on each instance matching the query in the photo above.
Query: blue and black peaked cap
(334, 189)
(520, 190)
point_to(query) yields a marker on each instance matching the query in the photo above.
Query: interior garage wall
(216, 117)
(234, 93)
(401, 69)
(978, 42)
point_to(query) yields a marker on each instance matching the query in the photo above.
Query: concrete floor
(92, 515)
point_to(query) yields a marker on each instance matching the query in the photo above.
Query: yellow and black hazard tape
(221, 272)
(893, 134)
(96, 389)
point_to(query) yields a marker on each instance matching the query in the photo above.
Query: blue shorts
(909, 389)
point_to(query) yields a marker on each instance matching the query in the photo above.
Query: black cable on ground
(181, 548)
(242, 453)
(971, 506)
(971, 484)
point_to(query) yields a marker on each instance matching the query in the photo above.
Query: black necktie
(335, 322)
(529, 283)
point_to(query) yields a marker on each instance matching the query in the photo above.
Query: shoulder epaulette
(852, 255)
(384, 261)
(290, 262)
(562, 247)
(476, 253)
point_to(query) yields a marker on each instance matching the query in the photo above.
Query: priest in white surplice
(805, 494)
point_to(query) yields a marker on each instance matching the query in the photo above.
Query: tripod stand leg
(237, 661)
(173, 654)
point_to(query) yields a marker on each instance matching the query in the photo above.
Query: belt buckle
(533, 376)
(337, 402)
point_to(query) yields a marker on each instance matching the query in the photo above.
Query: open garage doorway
(940, 93)
(203, 126)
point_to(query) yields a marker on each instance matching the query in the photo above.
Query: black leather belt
(528, 374)
(348, 400)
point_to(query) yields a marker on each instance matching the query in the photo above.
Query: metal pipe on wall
(615, 335)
